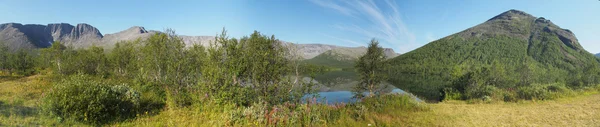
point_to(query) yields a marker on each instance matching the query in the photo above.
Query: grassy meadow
(20, 99)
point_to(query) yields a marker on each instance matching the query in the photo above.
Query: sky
(402, 25)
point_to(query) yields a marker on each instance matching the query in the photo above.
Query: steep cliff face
(61, 30)
(11, 35)
(18, 36)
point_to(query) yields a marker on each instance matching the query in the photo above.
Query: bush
(83, 99)
(481, 91)
(509, 96)
(450, 94)
(534, 91)
(392, 102)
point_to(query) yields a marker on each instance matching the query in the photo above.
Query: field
(20, 98)
(582, 110)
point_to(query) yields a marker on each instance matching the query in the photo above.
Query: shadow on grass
(8, 110)
(9, 78)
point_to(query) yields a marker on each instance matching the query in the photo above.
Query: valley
(20, 98)
(513, 69)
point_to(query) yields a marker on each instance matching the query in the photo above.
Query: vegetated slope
(511, 50)
(597, 55)
(309, 51)
(343, 57)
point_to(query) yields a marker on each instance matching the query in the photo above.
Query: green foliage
(66, 60)
(500, 61)
(252, 69)
(541, 92)
(309, 69)
(391, 102)
(88, 100)
(330, 59)
(122, 59)
(371, 69)
(21, 62)
(161, 64)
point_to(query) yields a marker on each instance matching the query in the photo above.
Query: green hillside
(337, 58)
(506, 54)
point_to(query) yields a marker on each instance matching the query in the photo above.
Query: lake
(333, 97)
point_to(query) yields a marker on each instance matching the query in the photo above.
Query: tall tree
(371, 68)
(54, 55)
(4, 55)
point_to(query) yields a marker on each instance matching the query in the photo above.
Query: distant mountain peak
(137, 29)
(511, 15)
(83, 29)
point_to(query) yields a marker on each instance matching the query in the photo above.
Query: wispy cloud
(344, 40)
(384, 21)
(334, 6)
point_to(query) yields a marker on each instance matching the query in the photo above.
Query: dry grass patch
(576, 111)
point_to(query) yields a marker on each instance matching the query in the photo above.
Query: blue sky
(399, 24)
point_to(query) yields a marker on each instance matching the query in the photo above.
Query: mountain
(309, 51)
(597, 55)
(132, 33)
(510, 50)
(18, 36)
(29, 36)
(344, 57)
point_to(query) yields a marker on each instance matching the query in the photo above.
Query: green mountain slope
(343, 57)
(511, 50)
(338, 58)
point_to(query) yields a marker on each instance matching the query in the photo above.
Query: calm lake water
(335, 87)
(343, 96)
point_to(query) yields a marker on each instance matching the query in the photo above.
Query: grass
(20, 97)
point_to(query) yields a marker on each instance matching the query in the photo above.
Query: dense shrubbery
(542, 92)
(251, 70)
(85, 99)
(476, 67)
(390, 102)
(20, 62)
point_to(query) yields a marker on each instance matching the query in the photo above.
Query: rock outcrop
(18, 36)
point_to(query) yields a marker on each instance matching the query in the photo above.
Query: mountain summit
(515, 48)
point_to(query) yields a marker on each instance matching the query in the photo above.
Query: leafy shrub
(543, 91)
(509, 96)
(450, 94)
(480, 91)
(392, 102)
(83, 99)
(534, 91)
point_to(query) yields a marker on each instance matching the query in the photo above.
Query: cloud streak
(344, 40)
(384, 21)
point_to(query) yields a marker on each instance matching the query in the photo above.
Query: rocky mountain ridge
(30, 36)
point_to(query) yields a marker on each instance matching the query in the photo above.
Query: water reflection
(335, 87)
(333, 97)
